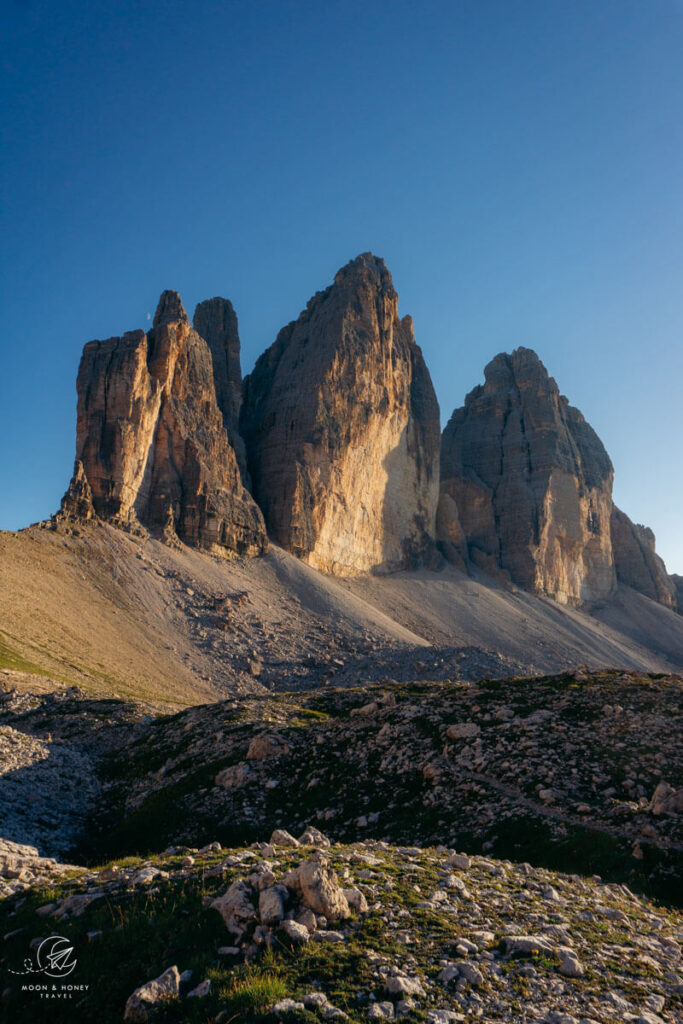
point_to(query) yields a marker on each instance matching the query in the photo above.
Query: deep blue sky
(518, 165)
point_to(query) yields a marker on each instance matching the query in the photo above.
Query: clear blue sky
(518, 165)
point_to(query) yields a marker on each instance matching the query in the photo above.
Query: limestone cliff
(151, 445)
(531, 484)
(637, 563)
(342, 430)
(216, 321)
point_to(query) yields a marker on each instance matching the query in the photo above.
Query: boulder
(342, 430)
(145, 1000)
(666, 800)
(235, 905)
(271, 905)
(317, 885)
(281, 837)
(312, 836)
(298, 933)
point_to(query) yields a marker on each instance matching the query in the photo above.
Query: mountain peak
(170, 309)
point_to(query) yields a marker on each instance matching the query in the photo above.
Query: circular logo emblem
(55, 957)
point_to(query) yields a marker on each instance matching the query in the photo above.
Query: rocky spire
(216, 321)
(342, 430)
(531, 482)
(169, 310)
(151, 447)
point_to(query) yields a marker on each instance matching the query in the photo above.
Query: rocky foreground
(301, 930)
(581, 772)
(566, 792)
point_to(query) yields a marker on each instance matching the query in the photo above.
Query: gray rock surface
(531, 483)
(637, 563)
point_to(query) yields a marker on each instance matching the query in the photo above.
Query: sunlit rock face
(151, 444)
(637, 563)
(531, 483)
(342, 430)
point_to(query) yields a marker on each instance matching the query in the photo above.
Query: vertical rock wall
(531, 482)
(151, 443)
(342, 430)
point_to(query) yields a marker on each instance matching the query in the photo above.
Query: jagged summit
(363, 266)
(170, 309)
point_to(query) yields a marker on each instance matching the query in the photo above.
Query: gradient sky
(518, 165)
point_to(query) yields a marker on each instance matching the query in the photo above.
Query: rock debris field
(506, 850)
(365, 931)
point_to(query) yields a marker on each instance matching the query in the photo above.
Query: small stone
(401, 984)
(281, 837)
(298, 933)
(287, 1006)
(381, 1011)
(463, 731)
(202, 990)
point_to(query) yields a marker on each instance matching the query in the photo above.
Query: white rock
(271, 904)
(235, 904)
(323, 935)
(356, 899)
(469, 972)
(298, 933)
(402, 985)
(444, 1017)
(281, 837)
(145, 999)
(312, 836)
(287, 1006)
(459, 860)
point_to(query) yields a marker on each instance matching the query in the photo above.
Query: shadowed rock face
(531, 483)
(342, 429)
(637, 563)
(151, 446)
(678, 585)
(216, 321)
